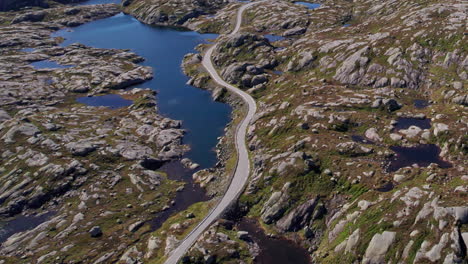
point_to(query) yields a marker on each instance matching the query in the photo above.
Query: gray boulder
(80, 148)
(95, 231)
(133, 151)
(461, 100)
(135, 226)
(378, 247)
(234, 72)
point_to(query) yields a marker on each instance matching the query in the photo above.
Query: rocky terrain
(171, 13)
(359, 147)
(95, 173)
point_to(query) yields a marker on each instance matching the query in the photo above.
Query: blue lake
(308, 5)
(113, 101)
(47, 64)
(27, 50)
(164, 49)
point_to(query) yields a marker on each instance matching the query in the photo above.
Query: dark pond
(47, 64)
(164, 49)
(423, 155)
(346, 25)
(191, 194)
(420, 104)
(406, 122)
(308, 5)
(21, 223)
(273, 38)
(113, 101)
(274, 250)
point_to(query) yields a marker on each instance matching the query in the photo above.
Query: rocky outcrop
(170, 13)
(276, 205)
(352, 69)
(378, 247)
(299, 217)
(29, 17)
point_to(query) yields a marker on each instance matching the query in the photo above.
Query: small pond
(273, 38)
(21, 223)
(308, 5)
(27, 50)
(420, 104)
(274, 250)
(406, 122)
(423, 155)
(112, 101)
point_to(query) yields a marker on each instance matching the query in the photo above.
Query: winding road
(242, 171)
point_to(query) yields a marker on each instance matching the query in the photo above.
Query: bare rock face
(134, 151)
(4, 115)
(300, 62)
(353, 68)
(298, 218)
(276, 205)
(82, 148)
(378, 247)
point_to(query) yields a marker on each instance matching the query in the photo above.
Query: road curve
(242, 172)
